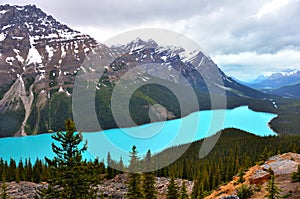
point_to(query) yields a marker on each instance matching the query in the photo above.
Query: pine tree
(109, 169)
(172, 190)
(272, 188)
(134, 185)
(4, 194)
(149, 189)
(70, 178)
(183, 191)
(120, 165)
(266, 154)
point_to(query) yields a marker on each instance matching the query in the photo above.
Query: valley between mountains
(41, 60)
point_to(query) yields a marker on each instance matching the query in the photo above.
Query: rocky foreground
(116, 187)
(257, 176)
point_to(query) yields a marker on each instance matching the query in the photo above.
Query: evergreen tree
(172, 190)
(183, 191)
(71, 178)
(28, 170)
(109, 169)
(265, 155)
(120, 165)
(149, 189)
(241, 176)
(134, 186)
(21, 170)
(296, 175)
(272, 188)
(4, 194)
(244, 191)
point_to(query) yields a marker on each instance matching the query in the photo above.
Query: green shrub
(245, 191)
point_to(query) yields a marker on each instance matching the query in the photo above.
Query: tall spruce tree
(172, 190)
(70, 176)
(109, 169)
(134, 185)
(149, 189)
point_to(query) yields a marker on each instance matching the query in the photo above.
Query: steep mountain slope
(40, 57)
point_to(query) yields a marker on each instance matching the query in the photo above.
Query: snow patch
(7, 26)
(2, 12)
(164, 58)
(33, 56)
(17, 38)
(68, 94)
(189, 56)
(50, 52)
(60, 89)
(10, 60)
(18, 56)
(2, 36)
(91, 69)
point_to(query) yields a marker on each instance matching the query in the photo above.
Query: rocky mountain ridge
(40, 57)
(276, 80)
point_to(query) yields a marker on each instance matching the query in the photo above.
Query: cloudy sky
(245, 38)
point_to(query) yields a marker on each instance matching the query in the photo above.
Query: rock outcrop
(258, 176)
(115, 188)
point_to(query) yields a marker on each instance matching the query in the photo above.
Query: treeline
(38, 171)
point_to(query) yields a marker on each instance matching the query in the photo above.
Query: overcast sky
(245, 38)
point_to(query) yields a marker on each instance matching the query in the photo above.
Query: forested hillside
(234, 152)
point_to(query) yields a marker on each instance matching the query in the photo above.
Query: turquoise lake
(155, 136)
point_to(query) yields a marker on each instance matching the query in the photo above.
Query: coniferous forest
(234, 152)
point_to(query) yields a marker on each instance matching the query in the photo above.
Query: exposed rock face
(257, 176)
(35, 45)
(283, 164)
(37, 54)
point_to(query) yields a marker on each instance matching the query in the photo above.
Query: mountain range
(40, 57)
(284, 83)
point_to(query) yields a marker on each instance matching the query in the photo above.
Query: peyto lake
(155, 136)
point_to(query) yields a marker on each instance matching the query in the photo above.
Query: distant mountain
(277, 80)
(259, 79)
(292, 91)
(40, 57)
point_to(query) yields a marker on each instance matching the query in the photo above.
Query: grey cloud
(221, 27)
